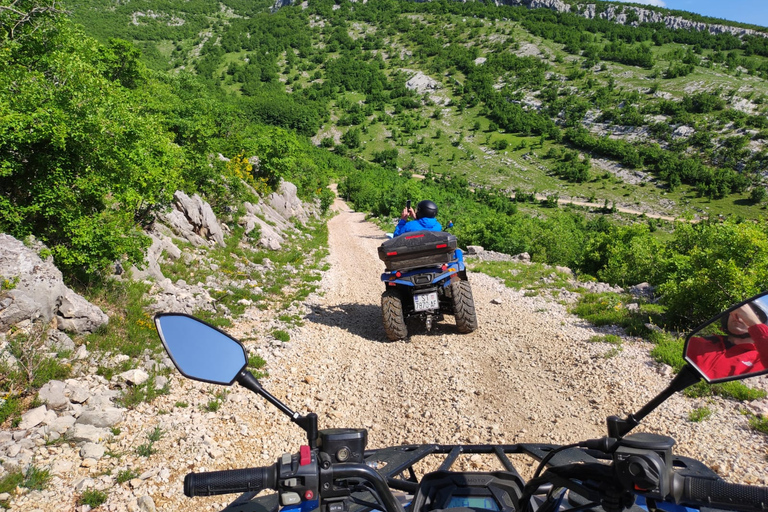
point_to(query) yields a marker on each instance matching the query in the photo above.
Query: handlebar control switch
(643, 464)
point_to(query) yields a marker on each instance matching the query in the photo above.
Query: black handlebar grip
(230, 481)
(720, 494)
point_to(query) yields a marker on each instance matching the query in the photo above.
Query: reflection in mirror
(198, 350)
(733, 344)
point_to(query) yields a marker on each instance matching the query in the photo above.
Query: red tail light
(414, 236)
(441, 246)
(393, 253)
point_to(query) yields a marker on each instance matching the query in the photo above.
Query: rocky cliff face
(616, 13)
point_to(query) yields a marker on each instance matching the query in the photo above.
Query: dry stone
(39, 293)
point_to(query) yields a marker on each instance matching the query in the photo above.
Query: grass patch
(759, 424)
(255, 365)
(145, 392)
(92, 497)
(613, 339)
(36, 479)
(734, 390)
(148, 448)
(130, 330)
(10, 408)
(610, 308)
(699, 414)
(214, 404)
(281, 335)
(529, 276)
(32, 367)
(126, 475)
(667, 349)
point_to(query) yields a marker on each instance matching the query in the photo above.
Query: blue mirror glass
(200, 351)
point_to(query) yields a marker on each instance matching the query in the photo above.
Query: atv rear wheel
(463, 307)
(392, 314)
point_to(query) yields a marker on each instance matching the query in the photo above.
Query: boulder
(101, 418)
(33, 417)
(162, 245)
(287, 204)
(39, 293)
(179, 223)
(200, 216)
(134, 377)
(82, 433)
(53, 394)
(76, 314)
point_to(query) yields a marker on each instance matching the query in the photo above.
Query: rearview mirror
(734, 344)
(199, 351)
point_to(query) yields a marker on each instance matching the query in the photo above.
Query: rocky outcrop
(275, 216)
(38, 293)
(193, 219)
(618, 13)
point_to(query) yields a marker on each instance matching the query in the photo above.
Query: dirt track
(527, 374)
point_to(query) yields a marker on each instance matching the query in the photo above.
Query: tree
(351, 138)
(757, 194)
(85, 162)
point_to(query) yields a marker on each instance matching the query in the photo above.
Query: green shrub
(699, 414)
(734, 390)
(668, 349)
(125, 475)
(148, 448)
(281, 335)
(759, 423)
(606, 338)
(92, 497)
(10, 408)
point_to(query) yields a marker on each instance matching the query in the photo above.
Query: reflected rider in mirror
(742, 349)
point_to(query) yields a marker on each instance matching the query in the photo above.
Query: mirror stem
(618, 428)
(308, 422)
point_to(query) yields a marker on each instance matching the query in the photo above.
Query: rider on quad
(425, 214)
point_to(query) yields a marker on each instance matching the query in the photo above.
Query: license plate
(425, 301)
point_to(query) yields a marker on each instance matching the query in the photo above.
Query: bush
(125, 475)
(699, 414)
(711, 266)
(92, 497)
(759, 424)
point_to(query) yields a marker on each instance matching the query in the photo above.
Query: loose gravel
(528, 374)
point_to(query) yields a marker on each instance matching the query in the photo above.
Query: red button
(305, 455)
(309, 495)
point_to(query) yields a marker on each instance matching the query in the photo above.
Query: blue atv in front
(425, 278)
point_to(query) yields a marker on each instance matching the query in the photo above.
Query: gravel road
(527, 374)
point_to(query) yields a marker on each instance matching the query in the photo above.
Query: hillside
(648, 109)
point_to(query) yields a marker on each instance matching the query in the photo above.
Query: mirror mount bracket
(686, 377)
(308, 422)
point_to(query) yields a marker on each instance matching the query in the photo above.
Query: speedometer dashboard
(474, 502)
(468, 492)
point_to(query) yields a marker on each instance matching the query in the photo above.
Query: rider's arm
(759, 335)
(400, 229)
